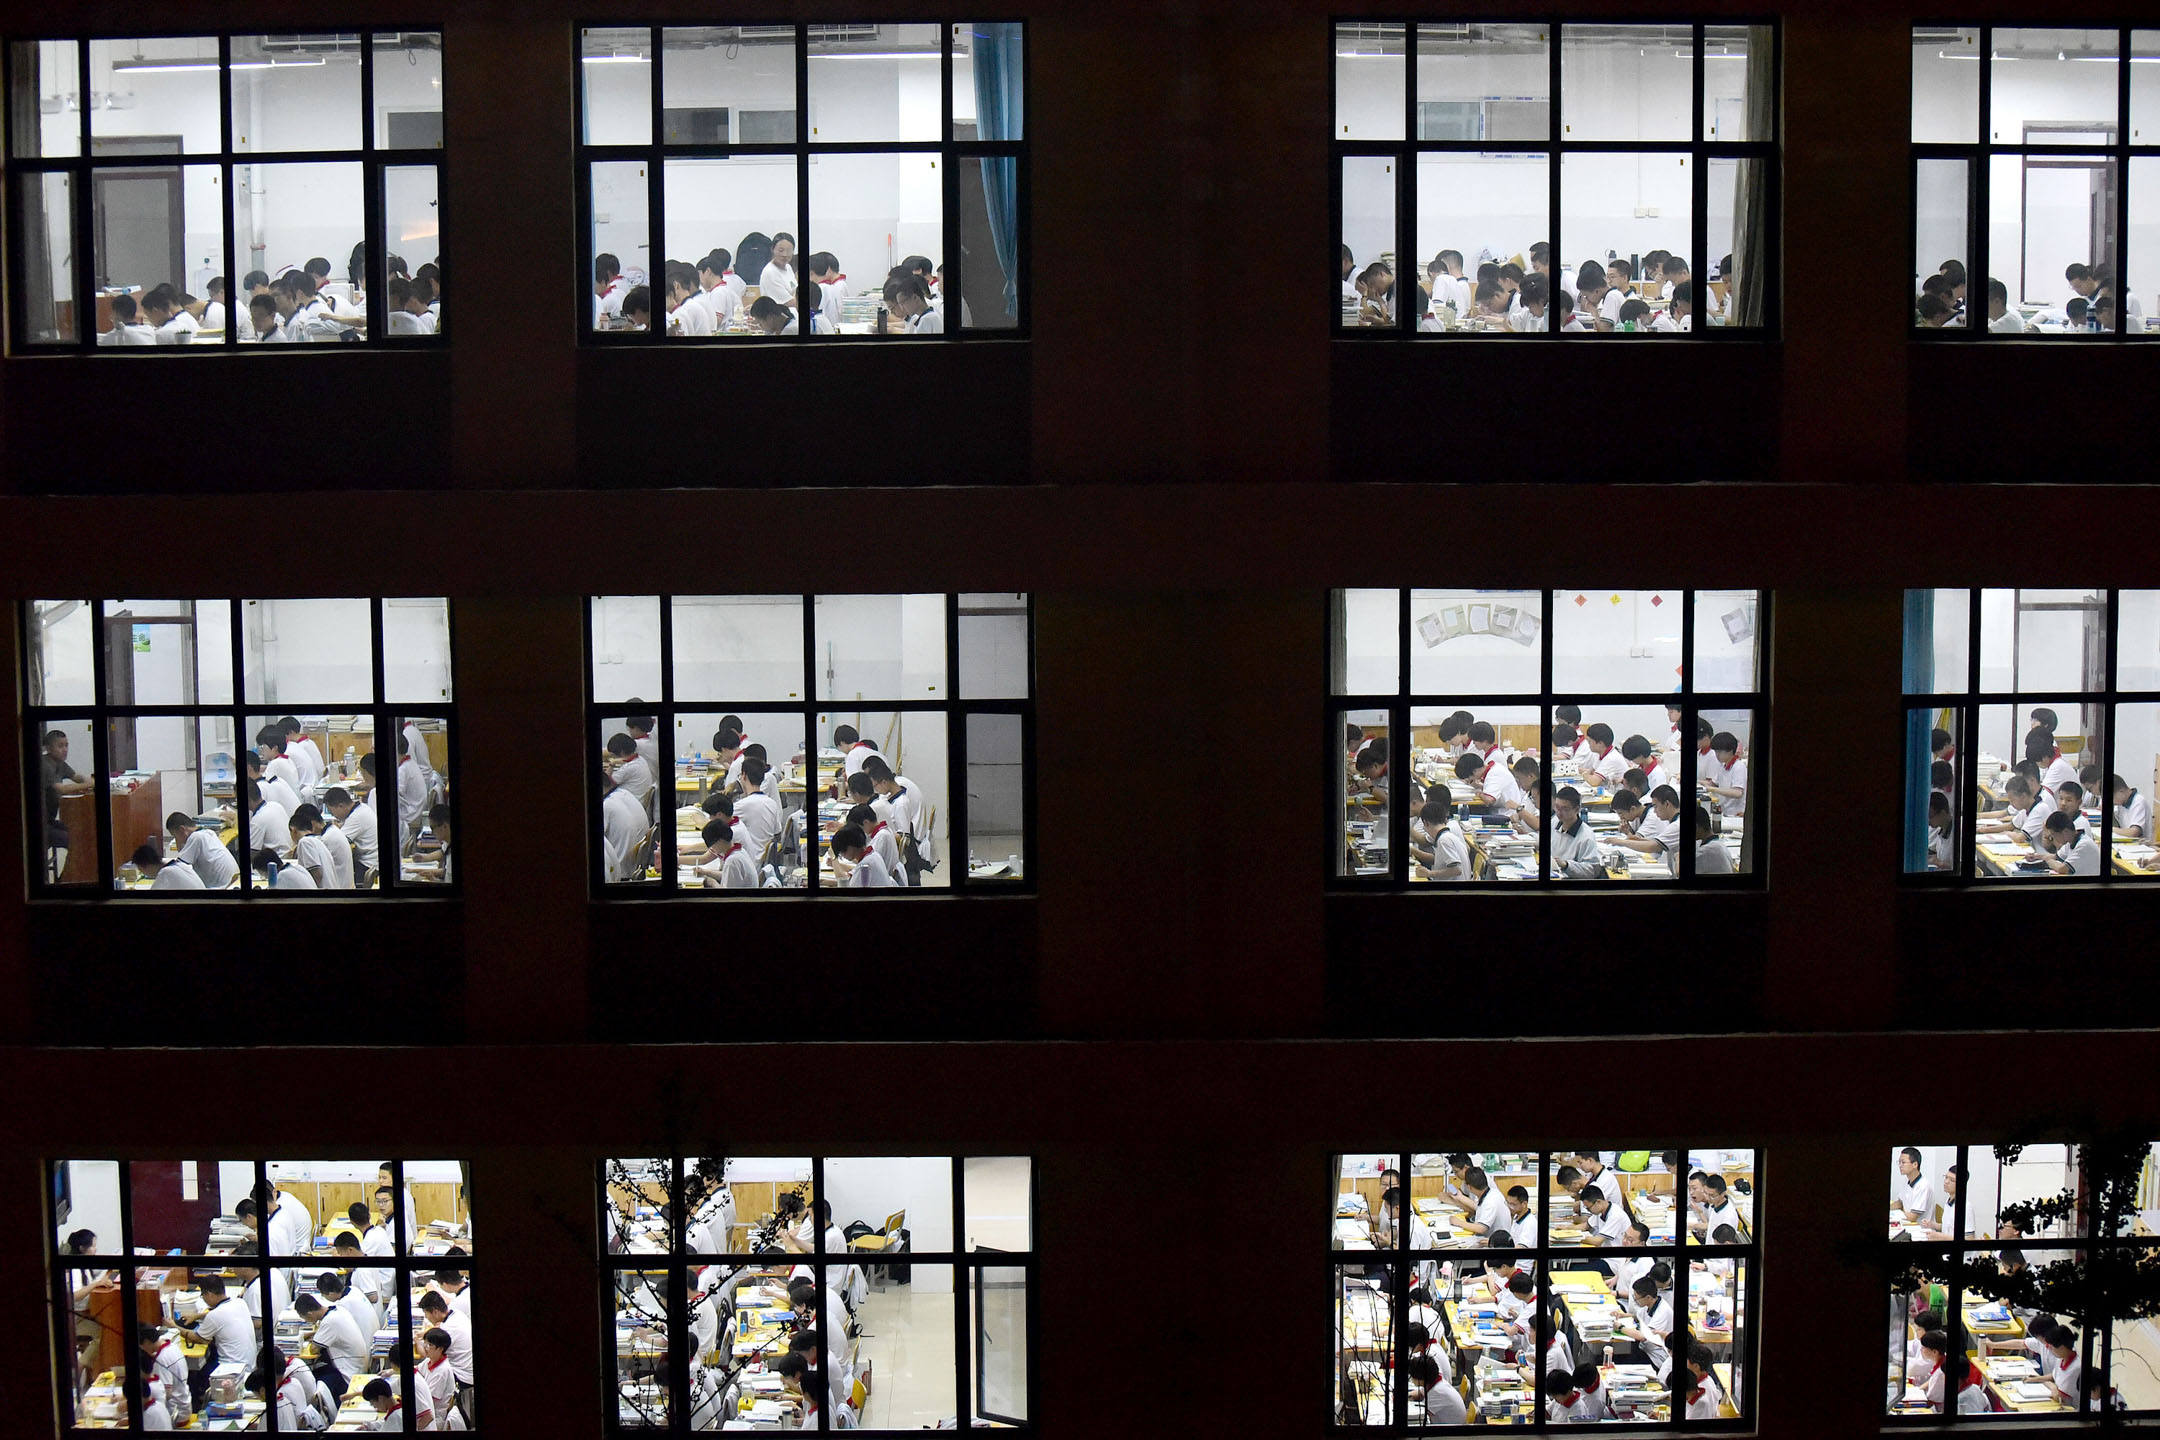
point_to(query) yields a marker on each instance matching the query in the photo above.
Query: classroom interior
(2011, 1371)
(162, 222)
(1473, 1220)
(2042, 666)
(187, 1221)
(194, 696)
(812, 691)
(751, 1226)
(1498, 659)
(2046, 212)
(1489, 204)
(875, 213)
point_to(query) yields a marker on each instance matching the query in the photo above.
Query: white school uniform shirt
(2135, 814)
(1664, 324)
(212, 863)
(622, 825)
(2066, 1374)
(404, 322)
(1656, 773)
(737, 870)
(307, 762)
(1704, 1405)
(1444, 1405)
(171, 1367)
(376, 1242)
(1500, 785)
(1492, 1211)
(2007, 323)
(1915, 1196)
(365, 1317)
(1712, 858)
(416, 746)
(2032, 821)
(1726, 1214)
(853, 760)
(1735, 778)
(1607, 768)
(636, 778)
(1450, 848)
(229, 1327)
(648, 749)
(886, 845)
(358, 828)
(276, 787)
(779, 282)
(213, 315)
(907, 808)
(759, 816)
(339, 1336)
(123, 334)
(723, 302)
(1656, 1321)
(412, 797)
(460, 1327)
(2059, 772)
(1624, 1272)
(2081, 854)
(870, 873)
(177, 875)
(270, 828)
(1609, 307)
(692, 317)
(1665, 832)
(929, 322)
(338, 875)
(179, 330)
(438, 1379)
(1611, 1227)
(311, 854)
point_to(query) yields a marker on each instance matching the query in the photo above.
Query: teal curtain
(1000, 106)
(1919, 724)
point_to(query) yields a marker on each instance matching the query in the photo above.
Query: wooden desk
(136, 816)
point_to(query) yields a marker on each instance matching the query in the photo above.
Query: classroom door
(139, 227)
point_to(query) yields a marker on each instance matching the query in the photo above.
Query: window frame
(1968, 704)
(1400, 1261)
(1554, 149)
(1402, 704)
(678, 1263)
(100, 713)
(374, 162)
(2094, 1341)
(956, 707)
(655, 154)
(403, 1262)
(1977, 155)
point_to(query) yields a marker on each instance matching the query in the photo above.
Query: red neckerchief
(875, 828)
(732, 848)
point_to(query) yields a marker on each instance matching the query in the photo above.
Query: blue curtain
(1000, 103)
(1919, 724)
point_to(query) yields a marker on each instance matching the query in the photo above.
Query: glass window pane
(625, 646)
(1476, 642)
(712, 205)
(158, 248)
(155, 763)
(1616, 641)
(1940, 664)
(1474, 812)
(996, 787)
(774, 1198)
(1726, 640)
(913, 799)
(1729, 288)
(1483, 82)
(303, 651)
(2045, 235)
(423, 791)
(912, 1193)
(2141, 236)
(1727, 779)
(408, 91)
(1365, 802)
(1369, 82)
(161, 96)
(629, 792)
(54, 68)
(990, 239)
(712, 757)
(1932, 845)
(867, 214)
(48, 246)
(615, 70)
(2127, 793)
(1739, 83)
(721, 87)
(1627, 82)
(621, 243)
(641, 1349)
(1364, 1346)
(2045, 79)
(881, 647)
(295, 92)
(1368, 240)
(994, 661)
(989, 64)
(876, 82)
(2035, 640)
(285, 215)
(1367, 624)
(739, 647)
(2144, 86)
(634, 1205)
(61, 634)
(67, 801)
(1485, 205)
(1945, 84)
(1627, 208)
(999, 1344)
(411, 237)
(416, 649)
(1941, 230)
(1000, 1205)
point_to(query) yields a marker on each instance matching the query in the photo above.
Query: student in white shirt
(162, 313)
(1631, 814)
(622, 827)
(432, 1373)
(1608, 1222)
(338, 1337)
(884, 842)
(1913, 1194)
(632, 774)
(1638, 752)
(907, 814)
(2028, 812)
(1575, 851)
(2070, 851)
(1605, 765)
(777, 280)
(174, 874)
(1564, 316)
(1492, 1212)
(726, 865)
(442, 1315)
(1715, 1209)
(688, 313)
(164, 1359)
(379, 1393)
(1731, 789)
(1697, 1384)
(725, 289)
(908, 299)
(269, 824)
(757, 812)
(1649, 1324)
(832, 282)
(308, 851)
(1439, 851)
(226, 1328)
(268, 767)
(355, 831)
(213, 304)
(127, 326)
(346, 1294)
(869, 872)
(2133, 812)
(2002, 320)
(1441, 1402)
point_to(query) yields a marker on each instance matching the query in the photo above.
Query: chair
(881, 1243)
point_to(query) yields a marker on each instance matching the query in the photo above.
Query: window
(2043, 132)
(147, 173)
(1633, 1276)
(813, 741)
(721, 1275)
(876, 172)
(185, 749)
(368, 1267)
(2043, 707)
(2020, 1281)
(1458, 712)
(1545, 179)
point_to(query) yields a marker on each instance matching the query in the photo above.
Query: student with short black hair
(2133, 812)
(1731, 788)
(1445, 854)
(2002, 320)
(883, 840)
(1649, 1323)
(636, 778)
(756, 811)
(1575, 853)
(356, 831)
(907, 297)
(163, 874)
(2070, 851)
(867, 870)
(1606, 765)
(165, 1360)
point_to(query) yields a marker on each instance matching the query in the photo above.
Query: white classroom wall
(94, 1193)
(870, 1189)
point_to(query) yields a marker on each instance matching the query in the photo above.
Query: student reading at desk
(2133, 812)
(2070, 851)
(1575, 853)
(163, 874)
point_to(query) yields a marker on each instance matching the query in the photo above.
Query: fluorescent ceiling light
(167, 67)
(1363, 55)
(617, 59)
(877, 55)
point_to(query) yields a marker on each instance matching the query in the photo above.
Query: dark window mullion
(1552, 785)
(956, 718)
(1684, 870)
(82, 203)
(100, 750)
(965, 1312)
(1399, 747)
(813, 776)
(805, 325)
(664, 785)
